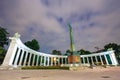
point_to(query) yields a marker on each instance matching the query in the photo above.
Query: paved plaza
(112, 73)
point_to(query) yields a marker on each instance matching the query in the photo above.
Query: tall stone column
(72, 46)
(74, 56)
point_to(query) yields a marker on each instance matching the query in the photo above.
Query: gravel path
(112, 73)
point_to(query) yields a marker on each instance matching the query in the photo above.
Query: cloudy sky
(94, 22)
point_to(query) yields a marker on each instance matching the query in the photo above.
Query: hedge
(45, 67)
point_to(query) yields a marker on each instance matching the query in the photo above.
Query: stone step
(8, 68)
(82, 67)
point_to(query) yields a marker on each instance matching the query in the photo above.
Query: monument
(74, 57)
(18, 55)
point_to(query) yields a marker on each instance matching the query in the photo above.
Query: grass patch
(45, 67)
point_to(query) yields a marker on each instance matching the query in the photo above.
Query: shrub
(45, 67)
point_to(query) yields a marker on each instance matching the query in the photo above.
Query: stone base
(73, 59)
(75, 67)
(80, 67)
(9, 68)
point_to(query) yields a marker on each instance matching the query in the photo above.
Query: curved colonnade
(104, 58)
(20, 55)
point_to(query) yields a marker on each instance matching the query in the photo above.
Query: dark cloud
(94, 22)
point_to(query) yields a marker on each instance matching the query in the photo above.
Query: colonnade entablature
(20, 55)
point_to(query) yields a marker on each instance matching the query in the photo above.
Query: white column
(96, 60)
(51, 61)
(92, 60)
(25, 60)
(33, 62)
(20, 63)
(88, 60)
(83, 60)
(44, 60)
(37, 60)
(41, 60)
(55, 60)
(66, 61)
(115, 62)
(29, 59)
(48, 61)
(58, 60)
(101, 59)
(112, 57)
(17, 56)
(62, 59)
(106, 59)
(8, 55)
(11, 52)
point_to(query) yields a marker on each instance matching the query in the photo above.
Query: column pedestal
(73, 59)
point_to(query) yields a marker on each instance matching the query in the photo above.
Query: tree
(2, 54)
(114, 46)
(68, 52)
(84, 52)
(56, 52)
(3, 37)
(33, 44)
(3, 41)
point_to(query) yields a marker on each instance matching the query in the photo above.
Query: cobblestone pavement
(112, 73)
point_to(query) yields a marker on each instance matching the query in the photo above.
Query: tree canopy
(56, 52)
(2, 54)
(3, 37)
(84, 52)
(33, 44)
(3, 41)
